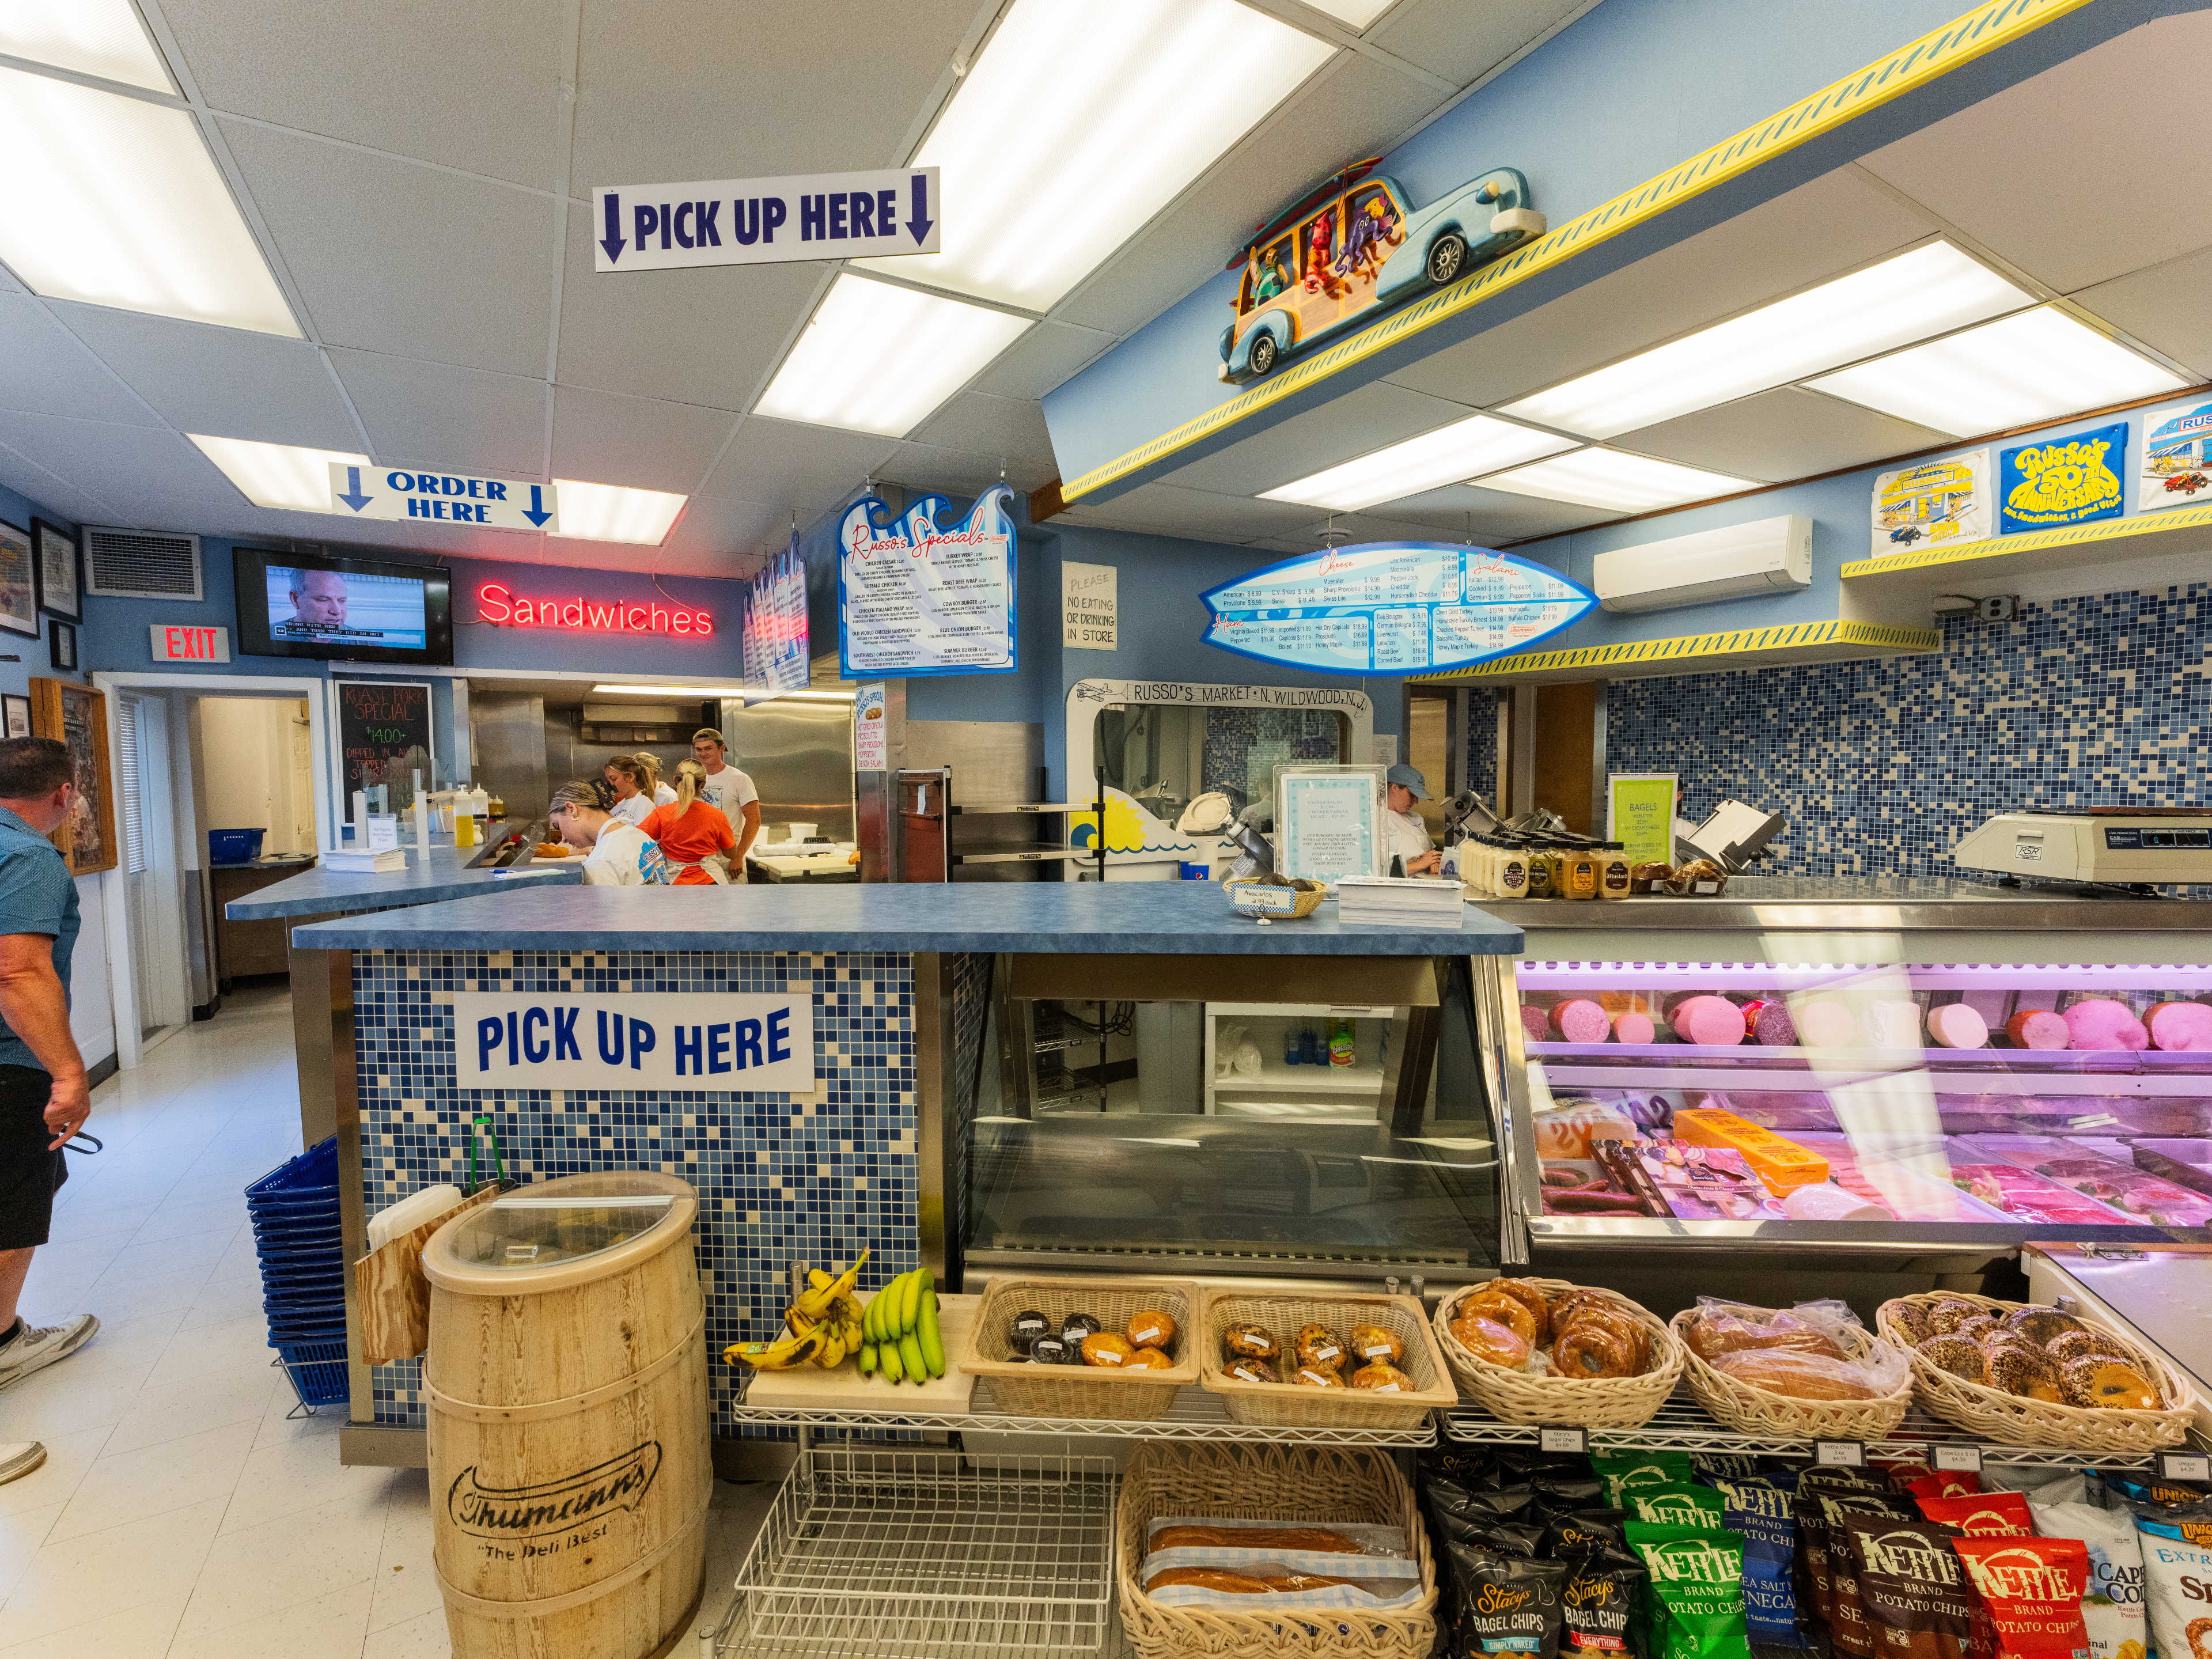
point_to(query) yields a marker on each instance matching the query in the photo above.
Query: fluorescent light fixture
(1078, 123)
(2039, 366)
(1613, 478)
(1478, 444)
(616, 513)
(116, 202)
(1356, 13)
(277, 475)
(881, 359)
(93, 37)
(1931, 290)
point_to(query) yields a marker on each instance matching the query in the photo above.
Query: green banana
(871, 1317)
(868, 1360)
(931, 1340)
(910, 1310)
(910, 1360)
(888, 1361)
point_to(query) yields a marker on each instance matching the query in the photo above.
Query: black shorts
(30, 1172)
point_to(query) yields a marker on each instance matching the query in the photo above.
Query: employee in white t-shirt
(730, 789)
(632, 788)
(1404, 834)
(617, 854)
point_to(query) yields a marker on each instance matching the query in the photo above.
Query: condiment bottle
(1540, 871)
(1512, 873)
(1580, 866)
(464, 818)
(1613, 871)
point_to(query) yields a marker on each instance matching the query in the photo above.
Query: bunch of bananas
(899, 1338)
(823, 1326)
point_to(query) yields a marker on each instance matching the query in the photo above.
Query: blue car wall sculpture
(1353, 246)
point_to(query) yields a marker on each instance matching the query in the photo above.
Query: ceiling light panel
(2039, 366)
(616, 513)
(93, 37)
(1356, 13)
(116, 202)
(1081, 121)
(1614, 479)
(1451, 453)
(881, 359)
(1931, 290)
(277, 475)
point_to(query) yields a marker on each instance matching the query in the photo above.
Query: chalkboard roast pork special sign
(383, 732)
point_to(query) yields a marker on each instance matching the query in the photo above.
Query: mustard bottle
(1541, 869)
(1580, 866)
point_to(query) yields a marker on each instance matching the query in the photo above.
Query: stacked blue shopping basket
(294, 1211)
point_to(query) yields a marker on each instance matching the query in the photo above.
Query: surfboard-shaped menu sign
(1393, 608)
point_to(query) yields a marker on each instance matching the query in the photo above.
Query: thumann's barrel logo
(621, 1483)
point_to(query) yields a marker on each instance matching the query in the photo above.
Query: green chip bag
(1621, 1470)
(1677, 1503)
(1696, 1590)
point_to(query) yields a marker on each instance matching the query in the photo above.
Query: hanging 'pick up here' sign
(533, 1041)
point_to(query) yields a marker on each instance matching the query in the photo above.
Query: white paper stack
(1399, 900)
(362, 861)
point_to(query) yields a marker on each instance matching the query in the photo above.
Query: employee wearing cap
(725, 786)
(1405, 836)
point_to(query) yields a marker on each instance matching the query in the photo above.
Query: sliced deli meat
(2179, 1026)
(1710, 1021)
(2037, 1027)
(2101, 1022)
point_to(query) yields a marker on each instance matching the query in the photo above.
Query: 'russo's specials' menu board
(916, 596)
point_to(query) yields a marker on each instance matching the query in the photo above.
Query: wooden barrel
(567, 1384)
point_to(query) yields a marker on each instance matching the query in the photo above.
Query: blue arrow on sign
(918, 221)
(353, 497)
(536, 512)
(612, 241)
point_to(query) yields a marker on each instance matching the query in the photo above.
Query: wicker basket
(1251, 898)
(1085, 1392)
(1309, 1485)
(2008, 1419)
(1761, 1410)
(1291, 1405)
(1609, 1403)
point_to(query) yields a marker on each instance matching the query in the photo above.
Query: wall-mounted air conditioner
(1767, 556)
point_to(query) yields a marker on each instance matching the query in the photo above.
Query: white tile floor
(180, 1513)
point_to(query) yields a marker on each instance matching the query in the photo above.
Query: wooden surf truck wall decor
(1353, 247)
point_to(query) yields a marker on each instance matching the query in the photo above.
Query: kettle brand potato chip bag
(2032, 1589)
(1677, 1503)
(1621, 1470)
(1761, 1513)
(1696, 1590)
(1833, 1579)
(1982, 1515)
(1913, 1590)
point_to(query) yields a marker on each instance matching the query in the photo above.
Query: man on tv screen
(319, 606)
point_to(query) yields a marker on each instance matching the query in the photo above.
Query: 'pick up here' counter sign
(736, 1043)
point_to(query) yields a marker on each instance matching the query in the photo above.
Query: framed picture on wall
(77, 715)
(18, 591)
(61, 645)
(61, 571)
(15, 717)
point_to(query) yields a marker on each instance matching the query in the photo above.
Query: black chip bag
(1578, 1533)
(1762, 1513)
(1848, 1633)
(1912, 1588)
(1696, 1590)
(1473, 1467)
(1504, 1604)
(1601, 1607)
(1812, 1562)
(1556, 1492)
(1503, 1520)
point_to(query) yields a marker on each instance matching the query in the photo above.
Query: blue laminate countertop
(445, 875)
(1135, 917)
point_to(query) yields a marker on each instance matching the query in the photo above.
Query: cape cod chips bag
(2112, 1606)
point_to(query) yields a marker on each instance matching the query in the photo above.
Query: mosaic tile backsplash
(776, 1180)
(1881, 766)
(1244, 747)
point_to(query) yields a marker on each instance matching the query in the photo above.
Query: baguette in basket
(1800, 1352)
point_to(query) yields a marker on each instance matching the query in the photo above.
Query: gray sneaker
(19, 1458)
(37, 1347)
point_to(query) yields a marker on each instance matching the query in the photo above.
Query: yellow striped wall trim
(2072, 535)
(1933, 55)
(1691, 647)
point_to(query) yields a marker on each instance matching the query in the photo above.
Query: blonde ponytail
(650, 764)
(690, 778)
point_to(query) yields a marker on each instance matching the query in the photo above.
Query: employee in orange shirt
(691, 830)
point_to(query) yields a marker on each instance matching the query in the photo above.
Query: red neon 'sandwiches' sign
(497, 606)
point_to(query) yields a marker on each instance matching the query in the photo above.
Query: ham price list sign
(917, 596)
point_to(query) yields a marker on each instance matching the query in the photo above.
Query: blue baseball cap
(1411, 778)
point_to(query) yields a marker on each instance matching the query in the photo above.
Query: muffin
(1149, 1328)
(1249, 1341)
(1372, 1342)
(1384, 1378)
(1317, 1345)
(1318, 1377)
(1107, 1348)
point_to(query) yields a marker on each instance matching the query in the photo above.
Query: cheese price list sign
(1393, 608)
(917, 596)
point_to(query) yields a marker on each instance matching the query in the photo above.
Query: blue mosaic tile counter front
(776, 1179)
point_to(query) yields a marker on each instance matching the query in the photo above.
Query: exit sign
(189, 642)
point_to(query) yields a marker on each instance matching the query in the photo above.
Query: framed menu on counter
(1329, 821)
(916, 596)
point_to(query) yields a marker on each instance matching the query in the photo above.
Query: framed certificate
(1328, 822)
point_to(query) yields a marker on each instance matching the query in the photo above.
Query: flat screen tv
(303, 605)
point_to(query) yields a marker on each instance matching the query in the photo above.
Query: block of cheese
(1825, 1023)
(1782, 1164)
(1954, 1026)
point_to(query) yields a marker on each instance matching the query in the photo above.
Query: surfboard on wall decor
(1393, 608)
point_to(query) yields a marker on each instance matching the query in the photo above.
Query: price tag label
(1563, 1440)
(1839, 1454)
(2185, 1465)
(1964, 1459)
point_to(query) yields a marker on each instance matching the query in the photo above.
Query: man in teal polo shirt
(44, 1099)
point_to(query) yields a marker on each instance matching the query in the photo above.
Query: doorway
(149, 864)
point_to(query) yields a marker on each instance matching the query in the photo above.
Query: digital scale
(2107, 846)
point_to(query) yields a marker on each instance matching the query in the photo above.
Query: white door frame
(114, 885)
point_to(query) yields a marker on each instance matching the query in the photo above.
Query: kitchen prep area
(1037, 829)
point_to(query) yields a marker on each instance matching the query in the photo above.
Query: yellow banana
(778, 1356)
(797, 1322)
(832, 1352)
(816, 1280)
(817, 1300)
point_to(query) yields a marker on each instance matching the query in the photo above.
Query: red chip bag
(1945, 1483)
(2032, 1588)
(1984, 1514)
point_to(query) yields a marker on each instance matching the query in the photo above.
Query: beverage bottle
(1341, 1044)
(1290, 1046)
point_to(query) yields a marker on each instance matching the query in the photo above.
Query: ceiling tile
(1355, 106)
(1774, 436)
(2164, 308)
(49, 494)
(957, 472)
(1827, 226)
(46, 370)
(791, 466)
(9, 284)
(1463, 43)
(149, 476)
(1041, 359)
(475, 87)
(727, 533)
(1198, 513)
(985, 425)
(1989, 169)
(1359, 422)
(330, 530)
(708, 337)
(640, 441)
(224, 382)
(767, 87)
(1489, 516)
(400, 258)
(437, 415)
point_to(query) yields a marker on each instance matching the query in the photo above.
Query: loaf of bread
(1799, 1375)
(1254, 1538)
(1723, 1328)
(1241, 1580)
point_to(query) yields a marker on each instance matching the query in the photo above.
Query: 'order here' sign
(546, 1041)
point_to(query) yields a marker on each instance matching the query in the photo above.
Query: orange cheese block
(1784, 1166)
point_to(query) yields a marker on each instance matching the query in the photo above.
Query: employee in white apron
(1404, 835)
(723, 786)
